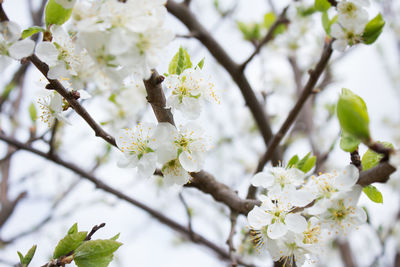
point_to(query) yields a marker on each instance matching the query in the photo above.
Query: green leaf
(309, 164)
(269, 19)
(31, 31)
(322, 5)
(32, 112)
(306, 11)
(95, 253)
(73, 229)
(115, 237)
(370, 159)
(21, 257)
(69, 243)
(306, 163)
(293, 161)
(327, 23)
(373, 29)
(250, 31)
(348, 142)
(353, 115)
(94, 262)
(56, 14)
(200, 64)
(373, 193)
(180, 62)
(7, 90)
(28, 257)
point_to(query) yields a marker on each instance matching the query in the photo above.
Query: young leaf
(348, 142)
(269, 19)
(373, 29)
(32, 112)
(373, 193)
(327, 23)
(28, 257)
(309, 164)
(56, 14)
(322, 5)
(21, 257)
(95, 253)
(370, 159)
(292, 162)
(250, 31)
(69, 243)
(73, 229)
(115, 237)
(353, 115)
(31, 31)
(200, 64)
(180, 62)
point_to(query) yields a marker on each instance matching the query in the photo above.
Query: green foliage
(25, 260)
(56, 14)
(69, 243)
(200, 64)
(32, 112)
(269, 19)
(348, 142)
(73, 229)
(306, 11)
(305, 164)
(322, 5)
(292, 162)
(95, 253)
(7, 90)
(370, 159)
(373, 29)
(327, 23)
(250, 31)
(31, 31)
(115, 237)
(353, 115)
(180, 62)
(373, 193)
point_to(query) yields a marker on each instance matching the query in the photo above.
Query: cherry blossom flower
(188, 91)
(138, 146)
(52, 107)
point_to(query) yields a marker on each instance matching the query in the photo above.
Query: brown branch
(94, 230)
(198, 239)
(3, 15)
(202, 180)
(346, 254)
(355, 159)
(377, 174)
(229, 241)
(306, 92)
(183, 13)
(188, 213)
(268, 37)
(56, 85)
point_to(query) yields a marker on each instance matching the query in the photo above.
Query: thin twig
(94, 230)
(306, 92)
(188, 213)
(229, 241)
(268, 37)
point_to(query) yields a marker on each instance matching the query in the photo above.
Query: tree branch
(198, 239)
(306, 92)
(268, 37)
(56, 85)
(184, 14)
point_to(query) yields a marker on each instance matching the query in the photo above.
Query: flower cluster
(11, 46)
(188, 91)
(352, 19)
(177, 151)
(127, 35)
(298, 215)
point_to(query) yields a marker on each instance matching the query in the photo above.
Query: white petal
(339, 45)
(263, 179)
(190, 162)
(47, 53)
(21, 49)
(348, 178)
(147, 165)
(276, 230)
(58, 71)
(257, 218)
(296, 223)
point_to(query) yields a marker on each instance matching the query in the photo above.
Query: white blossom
(10, 46)
(346, 36)
(174, 173)
(188, 90)
(51, 107)
(351, 13)
(188, 145)
(138, 146)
